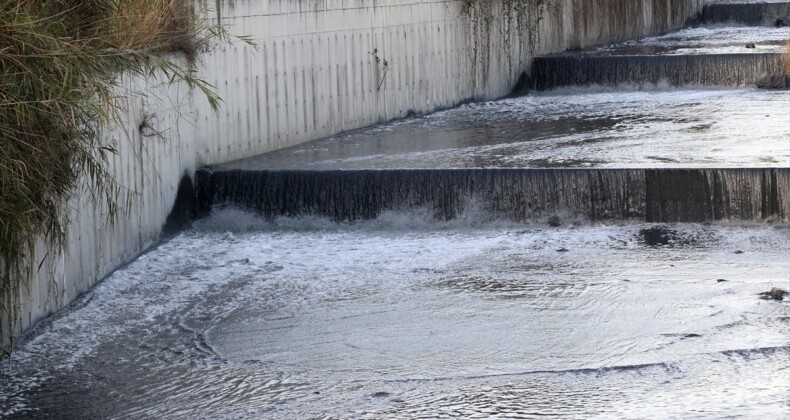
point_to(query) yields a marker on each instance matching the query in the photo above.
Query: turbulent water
(654, 195)
(475, 315)
(708, 55)
(664, 128)
(704, 40)
(748, 12)
(405, 317)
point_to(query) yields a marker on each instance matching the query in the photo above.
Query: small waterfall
(715, 69)
(753, 14)
(688, 195)
(653, 195)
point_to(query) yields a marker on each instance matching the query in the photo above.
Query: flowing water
(703, 40)
(683, 69)
(405, 317)
(715, 55)
(655, 195)
(500, 259)
(621, 127)
(746, 12)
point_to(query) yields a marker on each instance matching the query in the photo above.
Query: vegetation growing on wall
(59, 85)
(515, 21)
(519, 11)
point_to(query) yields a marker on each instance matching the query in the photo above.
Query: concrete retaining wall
(319, 70)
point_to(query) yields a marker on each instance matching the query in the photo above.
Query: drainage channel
(599, 249)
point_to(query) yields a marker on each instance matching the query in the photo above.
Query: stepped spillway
(662, 156)
(708, 56)
(755, 13)
(583, 252)
(678, 70)
(656, 195)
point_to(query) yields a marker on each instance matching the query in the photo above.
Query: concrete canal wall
(321, 67)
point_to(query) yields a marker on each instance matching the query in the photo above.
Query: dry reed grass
(155, 25)
(59, 67)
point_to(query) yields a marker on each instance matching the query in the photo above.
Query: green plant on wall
(60, 62)
(382, 68)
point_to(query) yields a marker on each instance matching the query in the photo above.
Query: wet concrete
(617, 156)
(764, 13)
(492, 261)
(658, 195)
(677, 70)
(708, 55)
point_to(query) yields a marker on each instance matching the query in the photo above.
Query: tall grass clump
(60, 62)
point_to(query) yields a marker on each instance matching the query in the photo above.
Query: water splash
(659, 195)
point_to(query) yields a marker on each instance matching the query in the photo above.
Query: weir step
(755, 14)
(677, 70)
(652, 195)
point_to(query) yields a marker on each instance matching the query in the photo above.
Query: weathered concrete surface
(315, 74)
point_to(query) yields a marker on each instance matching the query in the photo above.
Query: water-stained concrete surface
(746, 12)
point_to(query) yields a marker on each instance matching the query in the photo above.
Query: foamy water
(406, 317)
(705, 40)
(626, 127)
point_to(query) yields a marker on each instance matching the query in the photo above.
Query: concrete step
(734, 70)
(709, 56)
(652, 195)
(746, 13)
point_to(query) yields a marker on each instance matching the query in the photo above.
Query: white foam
(354, 303)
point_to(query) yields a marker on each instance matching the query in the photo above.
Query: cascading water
(538, 256)
(653, 195)
(758, 13)
(677, 70)
(703, 56)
